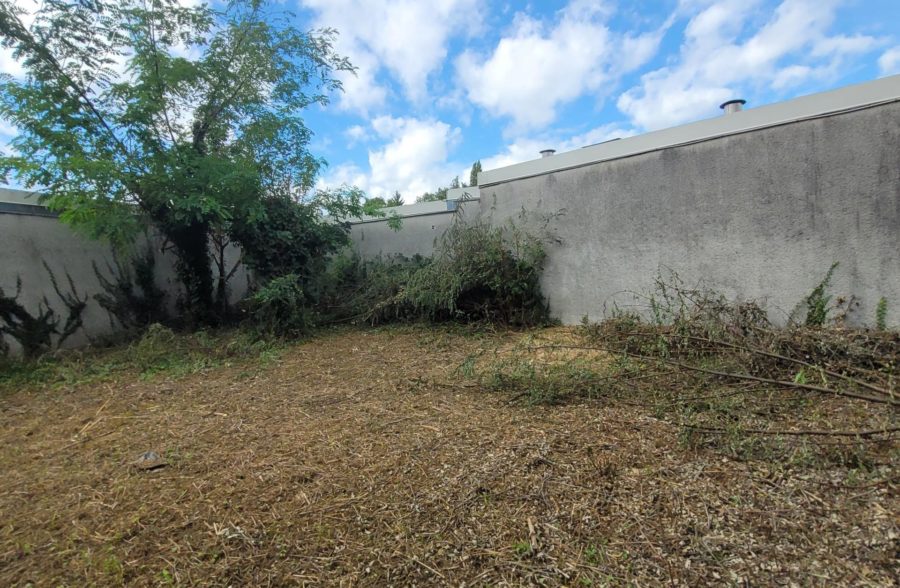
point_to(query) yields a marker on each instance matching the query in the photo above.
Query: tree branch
(861, 433)
(749, 377)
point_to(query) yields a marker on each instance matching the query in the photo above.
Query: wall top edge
(848, 98)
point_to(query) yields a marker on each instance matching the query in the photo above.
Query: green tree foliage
(395, 200)
(290, 236)
(439, 194)
(473, 174)
(190, 117)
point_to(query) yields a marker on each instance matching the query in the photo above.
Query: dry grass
(363, 458)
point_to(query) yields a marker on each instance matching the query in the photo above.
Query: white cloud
(413, 159)
(843, 45)
(407, 38)
(539, 67)
(356, 134)
(361, 91)
(715, 64)
(889, 62)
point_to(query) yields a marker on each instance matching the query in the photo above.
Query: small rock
(149, 461)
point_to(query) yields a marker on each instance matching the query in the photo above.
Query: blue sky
(442, 83)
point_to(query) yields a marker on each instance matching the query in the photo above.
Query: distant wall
(757, 215)
(421, 226)
(30, 235)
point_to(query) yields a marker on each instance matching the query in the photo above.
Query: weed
(595, 555)
(478, 273)
(467, 368)
(281, 307)
(881, 314)
(35, 332)
(113, 567)
(817, 302)
(544, 384)
(160, 351)
(522, 548)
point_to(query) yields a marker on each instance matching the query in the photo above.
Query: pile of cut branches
(726, 376)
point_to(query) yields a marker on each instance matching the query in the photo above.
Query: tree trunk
(193, 268)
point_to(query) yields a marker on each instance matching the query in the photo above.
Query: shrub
(280, 307)
(356, 290)
(478, 273)
(289, 237)
(484, 273)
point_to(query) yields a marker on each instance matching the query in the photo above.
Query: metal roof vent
(733, 106)
(547, 152)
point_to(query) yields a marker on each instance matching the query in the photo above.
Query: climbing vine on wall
(40, 331)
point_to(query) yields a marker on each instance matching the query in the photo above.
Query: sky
(441, 83)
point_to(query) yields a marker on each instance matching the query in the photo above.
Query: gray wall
(759, 215)
(417, 236)
(29, 237)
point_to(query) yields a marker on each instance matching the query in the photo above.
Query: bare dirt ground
(362, 458)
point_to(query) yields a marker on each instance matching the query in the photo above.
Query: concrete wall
(756, 205)
(421, 226)
(30, 235)
(758, 215)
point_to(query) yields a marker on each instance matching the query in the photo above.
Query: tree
(144, 111)
(439, 194)
(377, 201)
(291, 237)
(473, 174)
(395, 200)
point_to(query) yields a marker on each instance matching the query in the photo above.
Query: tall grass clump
(481, 273)
(281, 307)
(478, 273)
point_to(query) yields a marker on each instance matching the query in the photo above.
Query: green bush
(484, 273)
(478, 273)
(356, 290)
(281, 308)
(289, 237)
